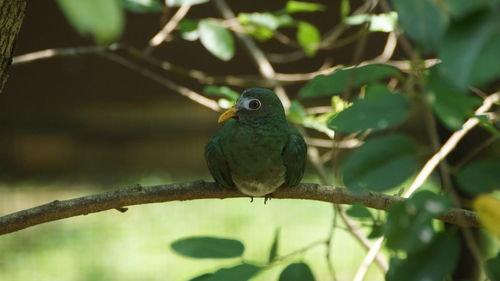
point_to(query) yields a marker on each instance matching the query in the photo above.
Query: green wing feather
(294, 158)
(217, 163)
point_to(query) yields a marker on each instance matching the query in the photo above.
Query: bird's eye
(253, 104)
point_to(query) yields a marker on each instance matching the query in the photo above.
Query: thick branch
(137, 195)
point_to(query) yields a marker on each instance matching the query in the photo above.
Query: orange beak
(227, 114)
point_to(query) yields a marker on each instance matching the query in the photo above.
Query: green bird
(256, 150)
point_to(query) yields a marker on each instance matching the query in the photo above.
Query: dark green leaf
(223, 92)
(380, 164)
(480, 176)
(470, 50)
(178, 3)
(409, 223)
(486, 122)
(340, 79)
(189, 29)
(493, 268)
(462, 8)
(299, 6)
(451, 105)
(360, 212)
(104, 20)
(143, 6)
(308, 37)
(376, 231)
(297, 272)
(379, 110)
(423, 21)
(433, 263)
(241, 272)
(208, 247)
(274, 247)
(216, 39)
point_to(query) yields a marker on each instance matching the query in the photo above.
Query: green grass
(136, 245)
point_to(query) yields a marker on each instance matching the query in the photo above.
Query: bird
(256, 150)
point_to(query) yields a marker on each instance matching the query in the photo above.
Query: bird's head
(254, 105)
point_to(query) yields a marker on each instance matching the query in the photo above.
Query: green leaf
(104, 20)
(208, 247)
(360, 212)
(296, 113)
(202, 277)
(340, 79)
(268, 20)
(433, 263)
(470, 51)
(380, 110)
(493, 268)
(308, 37)
(486, 122)
(381, 22)
(216, 39)
(273, 252)
(241, 272)
(380, 164)
(462, 8)
(480, 176)
(297, 272)
(450, 104)
(299, 6)
(376, 231)
(143, 6)
(409, 223)
(189, 30)
(222, 91)
(423, 21)
(178, 3)
(345, 8)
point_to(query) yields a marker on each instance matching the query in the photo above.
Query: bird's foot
(251, 199)
(267, 198)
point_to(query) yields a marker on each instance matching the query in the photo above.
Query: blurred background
(76, 125)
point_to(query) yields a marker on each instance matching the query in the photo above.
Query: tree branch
(137, 195)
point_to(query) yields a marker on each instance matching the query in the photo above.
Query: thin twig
(369, 258)
(190, 94)
(163, 34)
(137, 195)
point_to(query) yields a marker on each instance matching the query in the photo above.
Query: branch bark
(137, 195)
(11, 18)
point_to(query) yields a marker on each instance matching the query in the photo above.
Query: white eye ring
(252, 104)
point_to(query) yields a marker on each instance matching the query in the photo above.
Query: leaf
(202, 277)
(223, 92)
(143, 6)
(189, 30)
(423, 21)
(296, 113)
(297, 272)
(241, 272)
(360, 212)
(380, 110)
(178, 3)
(216, 39)
(208, 247)
(308, 37)
(409, 223)
(451, 105)
(345, 8)
(381, 22)
(340, 79)
(488, 210)
(273, 252)
(380, 164)
(486, 123)
(433, 263)
(376, 231)
(480, 176)
(104, 20)
(268, 20)
(299, 6)
(462, 8)
(493, 268)
(470, 51)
